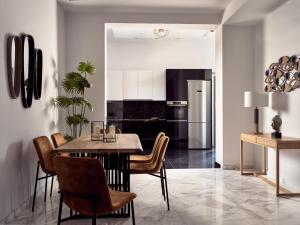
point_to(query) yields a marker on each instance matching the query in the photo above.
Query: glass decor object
(110, 134)
(97, 130)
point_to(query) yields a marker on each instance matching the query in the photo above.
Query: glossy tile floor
(197, 196)
(184, 158)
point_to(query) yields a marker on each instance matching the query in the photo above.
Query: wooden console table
(266, 141)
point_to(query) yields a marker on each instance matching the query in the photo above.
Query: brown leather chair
(157, 165)
(58, 140)
(150, 157)
(83, 188)
(45, 154)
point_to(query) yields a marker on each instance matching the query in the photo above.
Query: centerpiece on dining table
(101, 133)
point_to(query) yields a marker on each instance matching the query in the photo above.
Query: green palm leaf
(86, 67)
(63, 101)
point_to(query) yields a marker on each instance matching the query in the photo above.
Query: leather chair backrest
(83, 176)
(45, 153)
(162, 148)
(155, 146)
(58, 139)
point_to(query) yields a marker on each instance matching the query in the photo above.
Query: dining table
(113, 155)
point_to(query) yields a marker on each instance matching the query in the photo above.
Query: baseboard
(217, 165)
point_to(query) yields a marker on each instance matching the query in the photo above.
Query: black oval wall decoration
(38, 74)
(14, 65)
(27, 73)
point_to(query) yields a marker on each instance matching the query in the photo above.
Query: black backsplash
(136, 109)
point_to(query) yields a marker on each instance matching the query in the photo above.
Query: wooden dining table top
(126, 143)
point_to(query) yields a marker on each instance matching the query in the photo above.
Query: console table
(266, 141)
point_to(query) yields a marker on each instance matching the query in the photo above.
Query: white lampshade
(253, 99)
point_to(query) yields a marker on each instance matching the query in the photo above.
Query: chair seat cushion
(143, 168)
(119, 199)
(140, 158)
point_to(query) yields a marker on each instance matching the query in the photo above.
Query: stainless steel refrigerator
(199, 114)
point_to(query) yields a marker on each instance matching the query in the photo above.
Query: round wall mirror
(38, 74)
(14, 64)
(27, 73)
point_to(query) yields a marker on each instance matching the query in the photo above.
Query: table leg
(241, 157)
(265, 160)
(277, 172)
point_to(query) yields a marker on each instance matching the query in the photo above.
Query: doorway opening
(137, 58)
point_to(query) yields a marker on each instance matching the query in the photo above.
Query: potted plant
(74, 101)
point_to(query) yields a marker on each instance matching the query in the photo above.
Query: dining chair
(58, 140)
(83, 188)
(148, 158)
(156, 167)
(45, 154)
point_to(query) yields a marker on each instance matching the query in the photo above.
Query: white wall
(18, 125)
(160, 54)
(219, 94)
(234, 74)
(238, 70)
(277, 36)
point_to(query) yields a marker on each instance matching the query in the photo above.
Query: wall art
(24, 68)
(27, 69)
(38, 74)
(284, 75)
(14, 64)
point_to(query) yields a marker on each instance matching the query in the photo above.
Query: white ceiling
(145, 31)
(178, 6)
(254, 10)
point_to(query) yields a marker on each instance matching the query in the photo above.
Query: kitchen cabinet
(115, 85)
(130, 84)
(145, 85)
(137, 84)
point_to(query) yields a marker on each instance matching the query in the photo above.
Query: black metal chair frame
(164, 183)
(37, 178)
(94, 198)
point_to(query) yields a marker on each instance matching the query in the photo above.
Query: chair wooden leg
(35, 186)
(166, 184)
(46, 183)
(94, 219)
(162, 183)
(132, 213)
(51, 186)
(60, 209)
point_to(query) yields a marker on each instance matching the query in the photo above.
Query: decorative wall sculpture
(14, 64)
(38, 73)
(24, 68)
(27, 70)
(283, 76)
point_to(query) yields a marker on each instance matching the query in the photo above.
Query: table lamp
(255, 100)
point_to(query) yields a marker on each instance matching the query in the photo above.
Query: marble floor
(197, 196)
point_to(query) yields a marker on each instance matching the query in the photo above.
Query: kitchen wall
(18, 125)
(158, 55)
(276, 36)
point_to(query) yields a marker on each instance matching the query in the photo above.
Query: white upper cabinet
(130, 84)
(145, 84)
(115, 85)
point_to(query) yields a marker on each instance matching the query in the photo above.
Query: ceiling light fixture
(161, 32)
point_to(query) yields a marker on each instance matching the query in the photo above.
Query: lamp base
(276, 134)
